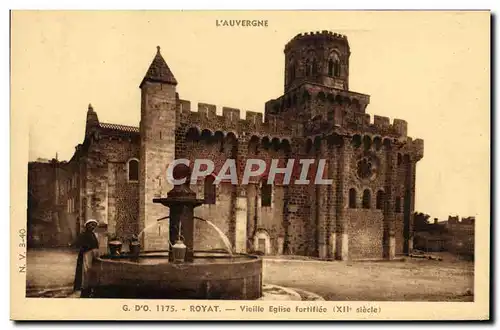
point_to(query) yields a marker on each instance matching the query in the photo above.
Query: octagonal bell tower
(317, 57)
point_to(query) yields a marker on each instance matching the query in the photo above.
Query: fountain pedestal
(206, 275)
(181, 201)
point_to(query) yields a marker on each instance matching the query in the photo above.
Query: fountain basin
(150, 275)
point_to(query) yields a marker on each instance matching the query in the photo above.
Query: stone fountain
(170, 275)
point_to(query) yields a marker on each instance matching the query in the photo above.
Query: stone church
(367, 213)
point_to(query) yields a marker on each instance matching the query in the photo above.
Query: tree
(421, 221)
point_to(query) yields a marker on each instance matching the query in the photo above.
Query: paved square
(50, 274)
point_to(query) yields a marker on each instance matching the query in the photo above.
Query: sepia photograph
(314, 164)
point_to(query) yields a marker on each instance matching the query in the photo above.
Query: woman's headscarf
(90, 221)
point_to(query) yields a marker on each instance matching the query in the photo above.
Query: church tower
(317, 80)
(157, 149)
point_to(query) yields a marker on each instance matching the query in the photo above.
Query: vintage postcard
(250, 165)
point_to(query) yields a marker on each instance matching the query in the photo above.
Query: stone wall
(157, 151)
(365, 228)
(272, 219)
(299, 211)
(52, 204)
(123, 202)
(207, 237)
(399, 234)
(107, 194)
(217, 149)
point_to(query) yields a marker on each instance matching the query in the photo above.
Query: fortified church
(118, 170)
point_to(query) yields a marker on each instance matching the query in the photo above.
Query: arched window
(352, 198)
(398, 205)
(380, 200)
(367, 196)
(266, 193)
(356, 141)
(377, 142)
(336, 69)
(334, 65)
(314, 67)
(209, 190)
(367, 142)
(133, 170)
(308, 64)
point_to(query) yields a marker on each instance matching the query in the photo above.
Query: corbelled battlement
(418, 148)
(323, 33)
(207, 117)
(254, 117)
(414, 148)
(231, 114)
(277, 124)
(316, 98)
(350, 123)
(209, 111)
(383, 124)
(317, 35)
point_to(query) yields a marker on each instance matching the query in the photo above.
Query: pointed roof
(92, 120)
(159, 71)
(91, 114)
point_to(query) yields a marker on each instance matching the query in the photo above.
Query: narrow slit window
(367, 199)
(209, 191)
(266, 194)
(352, 198)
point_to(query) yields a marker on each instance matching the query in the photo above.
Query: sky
(431, 69)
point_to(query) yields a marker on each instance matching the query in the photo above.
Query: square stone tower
(157, 150)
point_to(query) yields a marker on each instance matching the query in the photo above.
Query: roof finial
(90, 107)
(159, 71)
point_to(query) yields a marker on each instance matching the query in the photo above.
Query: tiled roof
(159, 71)
(117, 127)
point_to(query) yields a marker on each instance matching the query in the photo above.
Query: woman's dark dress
(87, 241)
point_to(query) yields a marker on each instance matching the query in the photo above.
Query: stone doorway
(262, 241)
(261, 245)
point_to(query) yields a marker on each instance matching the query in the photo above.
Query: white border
(212, 5)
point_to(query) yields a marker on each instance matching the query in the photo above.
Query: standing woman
(89, 249)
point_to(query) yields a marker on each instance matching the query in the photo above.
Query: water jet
(179, 272)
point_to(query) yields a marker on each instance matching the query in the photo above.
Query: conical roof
(159, 71)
